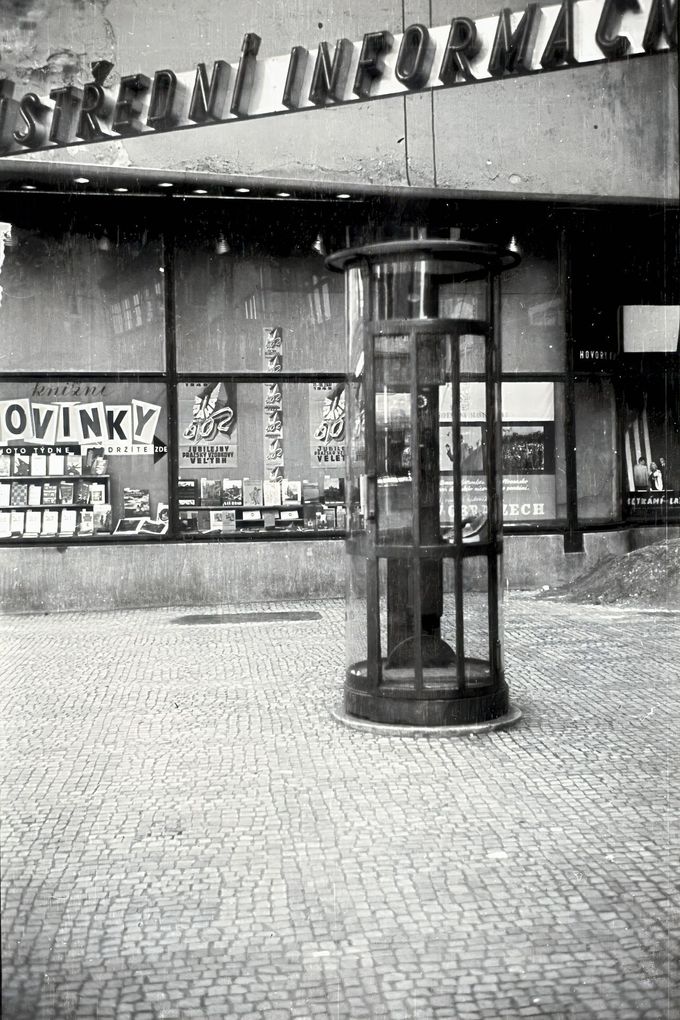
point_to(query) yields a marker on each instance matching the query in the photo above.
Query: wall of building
(99, 577)
(585, 131)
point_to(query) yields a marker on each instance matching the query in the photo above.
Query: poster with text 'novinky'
(207, 425)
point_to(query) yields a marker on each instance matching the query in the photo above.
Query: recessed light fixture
(343, 194)
(242, 191)
(283, 194)
(28, 187)
(165, 184)
(200, 191)
(120, 190)
(81, 180)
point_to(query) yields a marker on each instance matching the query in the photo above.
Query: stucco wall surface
(54, 579)
(598, 131)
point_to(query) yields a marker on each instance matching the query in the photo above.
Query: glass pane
(397, 620)
(476, 609)
(597, 460)
(532, 313)
(261, 456)
(90, 302)
(79, 460)
(427, 289)
(471, 354)
(249, 309)
(356, 635)
(393, 437)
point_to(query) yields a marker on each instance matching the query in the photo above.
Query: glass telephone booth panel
(424, 542)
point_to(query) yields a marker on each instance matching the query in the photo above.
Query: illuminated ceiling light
(242, 191)
(283, 194)
(222, 245)
(165, 184)
(120, 190)
(81, 180)
(28, 187)
(343, 194)
(200, 191)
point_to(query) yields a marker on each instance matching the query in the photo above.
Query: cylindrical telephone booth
(424, 482)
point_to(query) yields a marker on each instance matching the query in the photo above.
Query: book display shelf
(233, 506)
(54, 495)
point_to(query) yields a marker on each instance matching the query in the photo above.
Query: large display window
(83, 460)
(81, 301)
(232, 294)
(260, 457)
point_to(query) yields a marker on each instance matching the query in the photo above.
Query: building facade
(173, 342)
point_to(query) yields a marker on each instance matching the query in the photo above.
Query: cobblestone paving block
(188, 834)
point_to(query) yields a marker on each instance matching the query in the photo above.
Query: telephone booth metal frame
(422, 320)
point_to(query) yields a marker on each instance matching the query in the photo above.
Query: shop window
(651, 445)
(532, 453)
(532, 317)
(261, 457)
(90, 302)
(597, 460)
(228, 304)
(83, 460)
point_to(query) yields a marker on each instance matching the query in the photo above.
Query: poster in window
(327, 423)
(207, 426)
(651, 447)
(527, 452)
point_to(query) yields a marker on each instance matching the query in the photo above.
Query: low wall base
(62, 578)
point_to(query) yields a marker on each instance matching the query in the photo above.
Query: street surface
(188, 834)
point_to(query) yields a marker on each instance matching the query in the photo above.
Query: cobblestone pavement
(188, 834)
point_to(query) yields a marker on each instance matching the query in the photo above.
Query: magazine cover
(232, 492)
(252, 492)
(56, 463)
(272, 492)
(73, 464)
(17, 522)
(86, 522)
(50, 491)
(211, 491)
(101, 518)
(5, 465)
(19, 494)
(5, 493)
(34, 495)
(22, 464)
(292, 491)
(38, 464)
(66, 492)
(228, 520)
(135, 502)
(5, 524)
(68, 521)
(33, 524)
(127, 526)
(50, 522)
